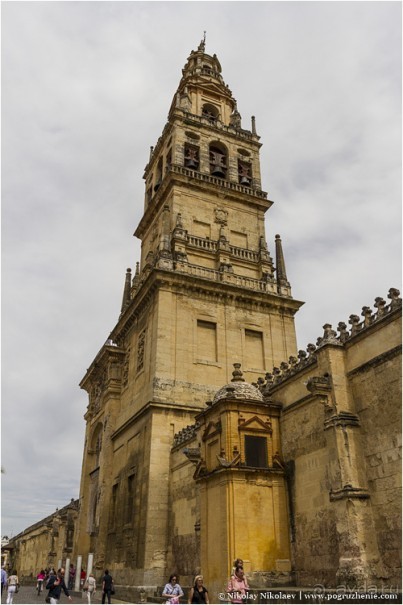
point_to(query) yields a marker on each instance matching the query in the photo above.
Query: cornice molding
(376, 361)
(149, 408)
(199, 287)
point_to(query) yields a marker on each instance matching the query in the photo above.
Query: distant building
(45, 543)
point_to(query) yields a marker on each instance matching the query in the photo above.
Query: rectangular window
(206, 340)
(112, 510)
(256, 451)
(254, 350)
(130, 499)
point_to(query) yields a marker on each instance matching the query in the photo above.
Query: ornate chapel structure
(209, 436)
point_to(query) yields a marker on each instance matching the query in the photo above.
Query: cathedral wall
(376, 390)
(184, 518)
(347, 437)
(33, 553)
(45, 543)
(313, 523)
(141, 343)
(125, 516)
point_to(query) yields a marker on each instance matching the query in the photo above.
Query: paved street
(27, 596)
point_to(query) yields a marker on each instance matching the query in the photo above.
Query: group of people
(72, 577)
(10, 582)
(55, 583)
(173, 591)
(237, 587)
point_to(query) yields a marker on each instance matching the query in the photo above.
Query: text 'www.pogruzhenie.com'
(319, 596)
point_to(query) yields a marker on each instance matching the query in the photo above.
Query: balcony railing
(212, 180)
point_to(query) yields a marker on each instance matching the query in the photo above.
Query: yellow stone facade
(203, 292)
(181, 473)
(293, 464)
(43, 544)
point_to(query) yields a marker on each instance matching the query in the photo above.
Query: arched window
(158, 175)
(244, 173)
(210, 112)
(218, 160)
(191, 156)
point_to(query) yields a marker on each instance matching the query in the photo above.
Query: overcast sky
(86, 89)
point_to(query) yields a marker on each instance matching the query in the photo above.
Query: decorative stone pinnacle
(237, 374)
(311, 348)
(380, 305)
(329, 336)
(354, 320)
(367, 315)
(126, 290)
(394, 295)
(253, 125)
(280, 263)
(342, 328)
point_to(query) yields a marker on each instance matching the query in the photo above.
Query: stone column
(67, 572)
(78, 572)
(59, 564)
(90, 563)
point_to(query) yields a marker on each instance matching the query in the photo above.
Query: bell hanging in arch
(218, 171)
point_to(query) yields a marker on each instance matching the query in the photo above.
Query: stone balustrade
(212, 180)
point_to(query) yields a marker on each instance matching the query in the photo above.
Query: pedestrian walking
(107, 586)
(39, 581)
(3, 578)
(83, 576)
(13, 585)
(72, 576)
(90, 587)
(198, 593)
(172, 590)
(55, 586)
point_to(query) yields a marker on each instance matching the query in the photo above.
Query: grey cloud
(86, 88)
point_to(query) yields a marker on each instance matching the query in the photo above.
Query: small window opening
(158, 175)
(218, 161)
(210, 112)
(192, 157)
(256, 451)
(244, 173)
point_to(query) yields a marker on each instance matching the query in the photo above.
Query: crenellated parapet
(330, 337)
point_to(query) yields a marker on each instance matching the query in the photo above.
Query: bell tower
(203, 188)
(205, 293)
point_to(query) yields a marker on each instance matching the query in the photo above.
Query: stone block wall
(376, 389)
(341, 443)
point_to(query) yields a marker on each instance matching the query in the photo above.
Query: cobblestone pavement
(27, 596)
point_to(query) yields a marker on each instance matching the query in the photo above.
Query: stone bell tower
(206, 293)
